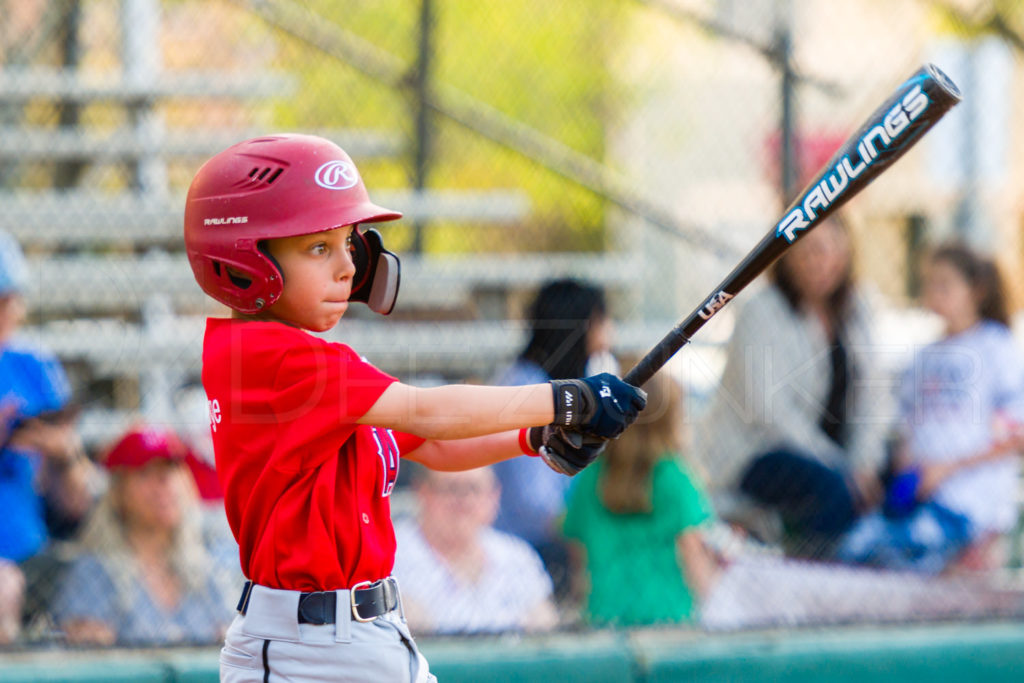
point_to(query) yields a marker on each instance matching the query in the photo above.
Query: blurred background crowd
(840, 444)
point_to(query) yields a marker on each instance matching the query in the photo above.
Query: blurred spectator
(962, 406)
(457, 573)
(193, 411)
(570, 336)
(143, 576)
(637, 514)
(44, 476)
(798, 425)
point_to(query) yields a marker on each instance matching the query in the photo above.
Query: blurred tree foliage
(976, 18)
(542, 62)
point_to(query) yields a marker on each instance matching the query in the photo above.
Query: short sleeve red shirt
(306, 489)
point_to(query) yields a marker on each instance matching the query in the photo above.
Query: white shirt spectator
(511, 587)
(776, 384)
(951, 397)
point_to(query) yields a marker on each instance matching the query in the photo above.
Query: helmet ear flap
(262, 247)
(378, 272)
(242, 283)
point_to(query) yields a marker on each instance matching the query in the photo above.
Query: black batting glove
(566, 452)
(601, 406)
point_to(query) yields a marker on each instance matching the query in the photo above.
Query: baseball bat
(885, 136)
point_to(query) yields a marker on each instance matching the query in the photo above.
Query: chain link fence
(643, 146)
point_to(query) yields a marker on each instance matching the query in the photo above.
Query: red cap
(140, 446)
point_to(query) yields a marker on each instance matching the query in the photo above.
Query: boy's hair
(626, 483)
(560, 318)
(983, 276)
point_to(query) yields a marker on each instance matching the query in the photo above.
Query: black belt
(367, 602)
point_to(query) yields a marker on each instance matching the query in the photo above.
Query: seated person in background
(457, 573)
(637, 514)
(46, 482)
(570, 334)
(143, 575)
(798, 424)
(961, 404)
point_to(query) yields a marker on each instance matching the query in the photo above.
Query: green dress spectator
(637, 514)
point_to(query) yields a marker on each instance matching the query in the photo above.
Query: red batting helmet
(274, 186)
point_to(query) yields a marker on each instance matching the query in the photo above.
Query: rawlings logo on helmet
(230, 220)
(336, 175)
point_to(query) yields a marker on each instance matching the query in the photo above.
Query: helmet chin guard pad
(378, 272)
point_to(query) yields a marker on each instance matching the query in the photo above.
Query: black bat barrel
(885, 136)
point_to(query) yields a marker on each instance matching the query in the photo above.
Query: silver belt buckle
(352, 600)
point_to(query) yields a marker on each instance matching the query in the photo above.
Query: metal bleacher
(68, 144)
(80, 219)
(111, 291)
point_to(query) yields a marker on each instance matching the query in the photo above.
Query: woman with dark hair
(569, 324)
(962, 411)
(793, 427)
(570, 332)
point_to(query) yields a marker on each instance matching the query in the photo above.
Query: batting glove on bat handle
(601, 406)
(535, 437)
(564, 451)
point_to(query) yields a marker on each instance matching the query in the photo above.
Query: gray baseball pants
(267, 644)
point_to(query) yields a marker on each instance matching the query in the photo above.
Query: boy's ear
(378, 272)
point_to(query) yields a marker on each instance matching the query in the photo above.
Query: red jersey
(305, 487)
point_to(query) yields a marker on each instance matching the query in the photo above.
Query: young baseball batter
(308, 436)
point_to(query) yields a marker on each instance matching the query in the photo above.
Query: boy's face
(318, 273)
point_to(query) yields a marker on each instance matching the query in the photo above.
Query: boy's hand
(567, 452)
(601, 406)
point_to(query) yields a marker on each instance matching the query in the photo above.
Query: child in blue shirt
(44, 476)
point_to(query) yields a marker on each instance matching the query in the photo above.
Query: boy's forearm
(466, 454)
(461, 411)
